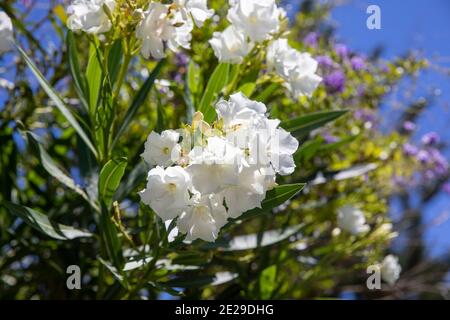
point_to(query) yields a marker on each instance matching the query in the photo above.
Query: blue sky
(424, 27)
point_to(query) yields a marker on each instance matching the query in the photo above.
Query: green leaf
(303, 125)
(247, 88)
(109, 179)
(77, 76)
(138, 101)
(94, 76)
(195, 78)
(43, 224)
(275, 197)
(267, 281)
(114, 61)
(216, 83)
(51, 167)
(57, 100)
(137, 175)
(267, 92)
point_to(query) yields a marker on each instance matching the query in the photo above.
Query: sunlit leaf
(57, 100)
(303, 125)
(43, 224)
(216, 83)
(109, 179)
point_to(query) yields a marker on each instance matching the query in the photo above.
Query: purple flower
(341, 50)
(329, 138)
(430, 138)
(409, 149)
(364, 115)
(423, 156)
(325, 61)
(358, 63)
(181, 59)
(409, 126)
(335, 81)
(311, 39)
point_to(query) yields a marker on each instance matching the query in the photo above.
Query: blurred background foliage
(353, 160)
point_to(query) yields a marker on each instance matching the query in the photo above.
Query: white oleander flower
(162, 149)
(296, 68)
(198, 9)
(215, 166)
(248, 193)
(352, 220)
(302, 80)
(89, 16)
(263, 142)
(239, 110)
(227, 172)
(160, 26)
(258, 19)
(167, 191)
(230, 45)
(390, 269)
(6, 33)
(203, 218)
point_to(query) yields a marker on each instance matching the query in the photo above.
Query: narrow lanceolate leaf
(138, 101)
(303, 125)
(274, 198)
(114, 61)
(254, 240)
(57, 100)
(94, 76)
(52, 168)
(109, 179)
(43, 224)
(216, 83)
(78, 77)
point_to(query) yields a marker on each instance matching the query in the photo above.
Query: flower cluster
(90, 16)
(296, 68)
(160, 26)
(6, 32)
(433, 163)
(206, 174)
(251, 21)
(170, 25)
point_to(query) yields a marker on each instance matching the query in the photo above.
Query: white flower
(302, 80)
(167, 191)
(239, 110)
(198, 9)
(256, 18)
(352, 220)
(89, 16)
(390, 269)
(6, 32)
(228, 171)
(230, 45)
(163, 26)
(203, 218)
(296, 68)
(162, 150)
(248, 128)
(248, 193)
(215, 166)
